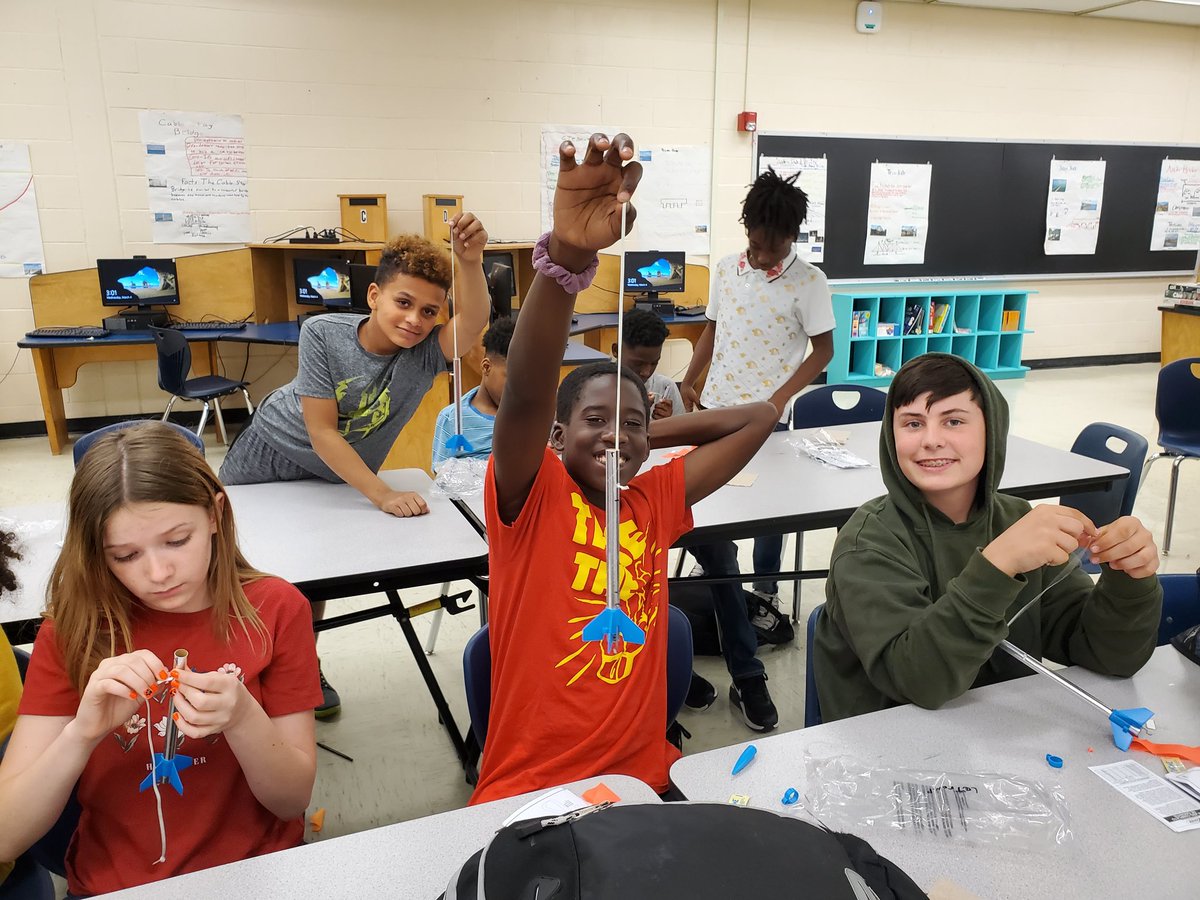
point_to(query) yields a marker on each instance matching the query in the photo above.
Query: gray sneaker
(771, 624)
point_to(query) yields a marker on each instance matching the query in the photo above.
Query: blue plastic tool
(1054, 761)
(790, 796)
(745, 759)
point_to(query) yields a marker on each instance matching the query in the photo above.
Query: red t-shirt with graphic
(561, 709)
(217, 819)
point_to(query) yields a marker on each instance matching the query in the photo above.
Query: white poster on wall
(672, 198)
(1073, 206)
(813, 176)
(196, 177)
(897, 213)
(1177, 212)
(20, 231)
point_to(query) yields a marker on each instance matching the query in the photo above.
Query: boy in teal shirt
(924, 581)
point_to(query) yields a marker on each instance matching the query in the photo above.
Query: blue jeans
(739, 643)
(768, 550)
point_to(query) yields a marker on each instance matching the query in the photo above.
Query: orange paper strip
(318, 820)
(1183, 751)
(601, 793)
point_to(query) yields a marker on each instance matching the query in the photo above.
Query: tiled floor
(403, 764)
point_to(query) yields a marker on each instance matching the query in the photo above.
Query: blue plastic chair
(812, 703)
(817, 409)
(84, 444)
(174, 364)
(477, 672)
(1105, 506)
(1181, 605)
(31, 876)
(1177, 408)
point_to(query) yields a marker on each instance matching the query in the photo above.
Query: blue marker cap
(1054, 761)
(745, 759)
(790, 796)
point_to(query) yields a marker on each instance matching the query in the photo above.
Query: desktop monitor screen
(321, 282)
(138, 282)
(654, 271)
(361, 277)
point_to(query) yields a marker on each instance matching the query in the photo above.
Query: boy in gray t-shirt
(643, 339)
(361, 378)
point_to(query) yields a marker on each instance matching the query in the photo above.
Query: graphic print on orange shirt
(639, 558)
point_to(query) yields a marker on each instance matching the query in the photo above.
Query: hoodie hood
(945, 545)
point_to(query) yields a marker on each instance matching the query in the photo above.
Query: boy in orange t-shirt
(563, 709)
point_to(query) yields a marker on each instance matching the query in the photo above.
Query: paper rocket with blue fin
(457, 443)
(1126, 723)
(168, 764)
(613, 622)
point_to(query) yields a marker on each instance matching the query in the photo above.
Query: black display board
(987, 205)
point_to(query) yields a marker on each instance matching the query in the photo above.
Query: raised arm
(472, 303)
(587, 218)
(726, 439)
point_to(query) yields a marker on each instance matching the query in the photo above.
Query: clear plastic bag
(460, 476)
(978, 808)
(822, 447)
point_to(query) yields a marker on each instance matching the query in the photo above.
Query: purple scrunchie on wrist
(571, 282)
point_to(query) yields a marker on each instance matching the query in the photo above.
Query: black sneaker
(750, 697)
(701, 694)
(771, 624)
(331, 703)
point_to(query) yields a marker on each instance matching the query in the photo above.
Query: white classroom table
(793, 493)
(414, 859)
(327, 539)
(1117, 849)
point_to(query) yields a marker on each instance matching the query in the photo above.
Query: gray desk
(327, 539)
(794, 493)
(1117, 848)
(414, 859)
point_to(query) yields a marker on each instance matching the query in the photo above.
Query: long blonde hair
(91, 610)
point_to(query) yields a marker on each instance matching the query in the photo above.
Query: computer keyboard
(67, 331)
(208, 326)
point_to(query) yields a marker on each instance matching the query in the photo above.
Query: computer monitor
(654, 272)
(138, 282)
(361, 278)
(499, 270)
(321, 282)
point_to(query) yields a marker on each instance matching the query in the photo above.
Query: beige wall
(410, 97)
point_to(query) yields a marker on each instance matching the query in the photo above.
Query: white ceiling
(1173, 12)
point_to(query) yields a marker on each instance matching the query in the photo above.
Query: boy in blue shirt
(479, 404)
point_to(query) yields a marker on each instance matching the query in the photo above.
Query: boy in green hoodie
(923, 581)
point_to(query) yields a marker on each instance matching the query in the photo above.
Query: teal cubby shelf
(972, 329)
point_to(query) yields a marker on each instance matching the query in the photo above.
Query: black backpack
(676, 851)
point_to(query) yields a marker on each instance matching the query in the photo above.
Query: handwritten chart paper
(20, 231)
(196, 177)
(672, 198)
(813, 179)
(1073, 206)
(897, 213)
(1177, 212)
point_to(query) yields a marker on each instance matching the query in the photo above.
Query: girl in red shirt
(178, 767)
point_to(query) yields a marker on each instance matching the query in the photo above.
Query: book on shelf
(860, 323)
(914, 318)
(941, 312)
(1180, 295)
(1190, 302)
(1011, 320)
(1189, 287)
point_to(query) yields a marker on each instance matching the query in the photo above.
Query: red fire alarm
(747, 121)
